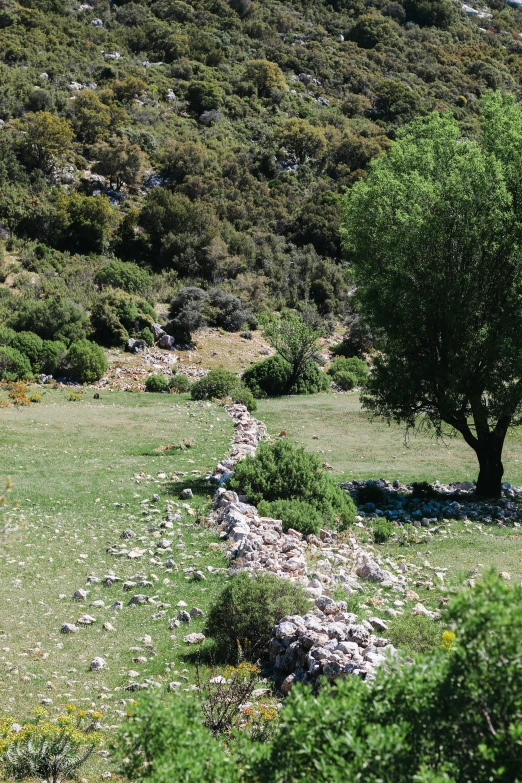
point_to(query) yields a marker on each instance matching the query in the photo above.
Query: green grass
(335, 427)
(70, 463)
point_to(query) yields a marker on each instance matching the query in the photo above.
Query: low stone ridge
(427, 504)
(328, 641)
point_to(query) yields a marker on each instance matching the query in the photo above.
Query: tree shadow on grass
(200, 486)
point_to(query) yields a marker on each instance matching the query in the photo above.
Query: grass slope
(335, 427)
(70, 463)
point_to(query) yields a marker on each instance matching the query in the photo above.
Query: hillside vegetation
(210, 142)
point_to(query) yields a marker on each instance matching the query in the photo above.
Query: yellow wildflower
(448, 638)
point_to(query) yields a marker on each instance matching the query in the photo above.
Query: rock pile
(425, 504)
(327, 642)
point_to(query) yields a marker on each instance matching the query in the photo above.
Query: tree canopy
(435, 236)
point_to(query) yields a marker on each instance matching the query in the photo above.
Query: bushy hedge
(14, 366)
(156, 383)
(281, 471)
(272, 377)
(52, 319)
(125, 275)
(219, 384)
(296, 514)
(180, 384)
(348, 373)
(195, 307)
(87, 361)
(242, 617)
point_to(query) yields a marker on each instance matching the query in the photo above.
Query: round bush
(52, 356)
(87, 361)
(383, 530)
(353, 366)
(281, 471)
(125, 275)
(180, 384)
(242, 617)
(14, 366)
(156, 383)
(30, 345)
(216, 385)
(244, 396)
(269, 377)
(296, 514)
(345, 380)
(147, 335)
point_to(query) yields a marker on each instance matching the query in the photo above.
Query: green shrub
(47, 749)
(115, 314)
(14, 366)
(244, 396)
(414, 633)
(87, 361)
(164, 740)
(230, 312)
(272, 377)
(30, 345)
(353, 367)
(296, 514)
(52, 319)
(6, 335)
(242, 617)
(216, 385)
(454, 716)
(156, 383)
(268, 378)
(383, 530)
(147, 335)
(281, 471)
(345, 380)
(125, 275)
(180, 383)
(52, 356)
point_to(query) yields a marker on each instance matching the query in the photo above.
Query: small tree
(120, 161)
(435, 235)
(295, 339)
(46, 137)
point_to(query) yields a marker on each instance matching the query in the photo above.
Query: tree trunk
(491, 469)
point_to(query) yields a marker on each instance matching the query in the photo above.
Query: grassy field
(72, 465)
(335, 427)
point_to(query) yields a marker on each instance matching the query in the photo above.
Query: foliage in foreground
(44, 748)
(242, 617)
(281, 471)
(454, 716)
(435, 233)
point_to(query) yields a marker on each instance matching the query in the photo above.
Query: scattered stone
(98, 663)
(186, 494)
(194, 638)
(69, 628)
(79, 595)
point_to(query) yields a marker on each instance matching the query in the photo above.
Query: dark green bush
(186, 310)
(281, 471)
(268, 378)
(156, 383)
(272, 377)
(230, 312)
(216, 385)
(14, 366)
(30, 345)
(115, 314)
(296, 514)
(125, 275)
(353, 366)
(52, 319)
(382, 530)
(180, 383)
(345, 380)
(242, 617)
(87, 361)
(52, 356)
(164, 740)
(147, 335)
(244, 396)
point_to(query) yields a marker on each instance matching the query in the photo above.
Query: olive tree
(435, 236)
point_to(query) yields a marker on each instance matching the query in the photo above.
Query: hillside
(210, 142)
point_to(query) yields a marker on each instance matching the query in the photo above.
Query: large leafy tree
(435, 235)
